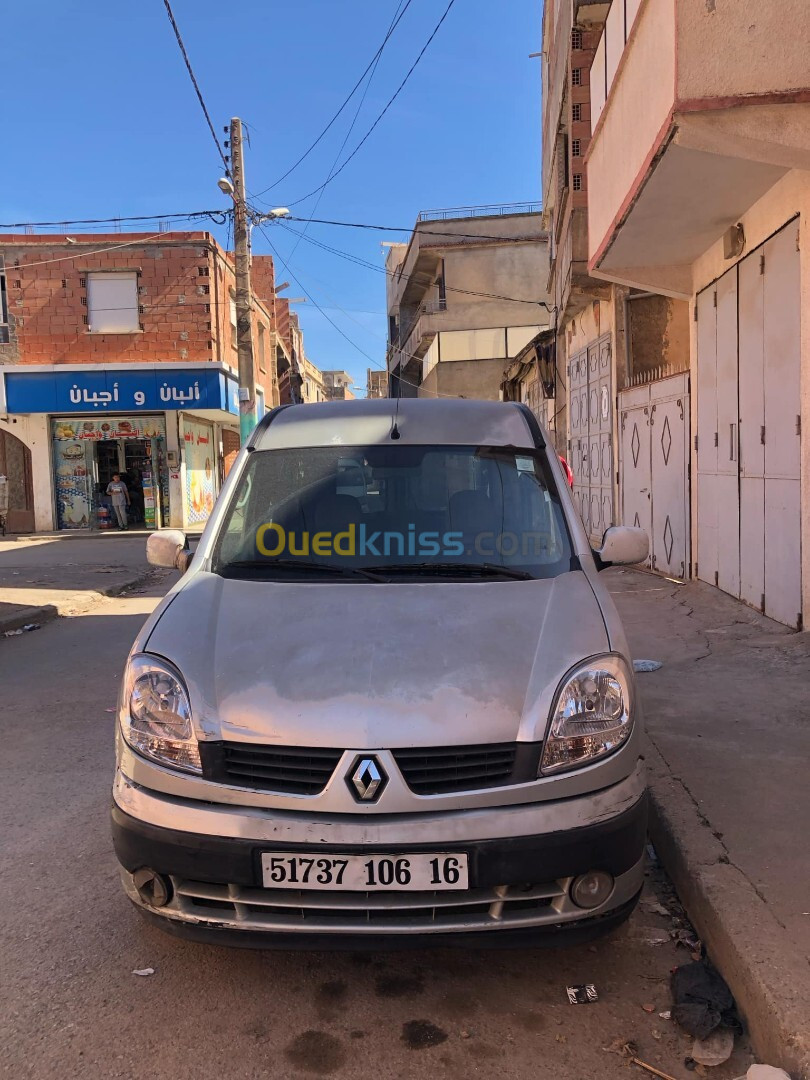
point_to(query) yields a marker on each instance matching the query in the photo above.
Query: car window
(395, 506)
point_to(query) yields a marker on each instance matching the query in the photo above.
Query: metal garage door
(591, 432)
(748, 439)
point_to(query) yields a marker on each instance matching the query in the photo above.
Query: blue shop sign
(120, 391)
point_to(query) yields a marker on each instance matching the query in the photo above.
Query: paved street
(70, 1005)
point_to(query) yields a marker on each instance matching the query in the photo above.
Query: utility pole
(244, 296)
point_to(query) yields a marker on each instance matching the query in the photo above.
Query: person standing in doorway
(117, 489)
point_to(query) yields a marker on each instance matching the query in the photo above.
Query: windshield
(460, 512)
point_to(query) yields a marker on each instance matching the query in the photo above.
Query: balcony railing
(430, 307)
(499, 210)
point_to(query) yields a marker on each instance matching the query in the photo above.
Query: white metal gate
(748, 437)
(654, 469)
(591, 430)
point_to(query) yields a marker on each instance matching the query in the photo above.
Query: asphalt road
(70, 1004)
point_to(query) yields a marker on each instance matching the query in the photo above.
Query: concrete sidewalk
(729, 726)
(45, 577)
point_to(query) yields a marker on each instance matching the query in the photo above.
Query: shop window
(112, 303)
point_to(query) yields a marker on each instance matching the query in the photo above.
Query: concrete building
(464, 295)
(312, 386)
(376, 383)
(338, 386)
(703, 194)
(621, 352)
(300, 381)
(118, 354)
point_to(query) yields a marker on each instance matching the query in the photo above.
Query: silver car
(389, 701)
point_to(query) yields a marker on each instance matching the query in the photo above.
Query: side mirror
(622, 545)
(168, 549)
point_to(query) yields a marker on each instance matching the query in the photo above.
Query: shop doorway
(88, 453)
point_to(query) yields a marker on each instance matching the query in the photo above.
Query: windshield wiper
(301, 564)
(482, 569)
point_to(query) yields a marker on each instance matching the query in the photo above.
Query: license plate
(432, 872)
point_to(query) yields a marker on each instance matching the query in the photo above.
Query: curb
(752, 950)
(84, 598)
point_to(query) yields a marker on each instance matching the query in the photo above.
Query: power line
(388, 105)
(372, 63)
(397, 16)
(195, 84)
(213, 214)
(391, 274)
(422, 232)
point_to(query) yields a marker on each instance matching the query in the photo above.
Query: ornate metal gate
(654, 469)
(591, 412)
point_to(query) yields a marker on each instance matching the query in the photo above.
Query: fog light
(153, 888)
(591, 890)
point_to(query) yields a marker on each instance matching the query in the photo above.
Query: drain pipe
(627, 346)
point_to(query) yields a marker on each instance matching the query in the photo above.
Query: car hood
(377, 666)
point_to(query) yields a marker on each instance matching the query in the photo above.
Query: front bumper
(519, 874)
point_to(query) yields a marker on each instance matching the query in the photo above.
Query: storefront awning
(117, 388)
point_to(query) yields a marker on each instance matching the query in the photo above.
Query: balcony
(696, 115)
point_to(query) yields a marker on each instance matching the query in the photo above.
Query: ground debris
(22, 630)
(582, 995)
(703, 1002)
(650, 1069)
(687, 938)
(647, 665)
(648, 1008)
(144, 971)
(715, 1048)
(765, 1072)
(655, 908)
(623, 1047)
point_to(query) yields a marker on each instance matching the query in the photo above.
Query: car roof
(419, 421)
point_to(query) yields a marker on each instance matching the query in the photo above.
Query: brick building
(118, 354)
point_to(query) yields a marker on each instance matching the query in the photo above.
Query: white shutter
(112, 303)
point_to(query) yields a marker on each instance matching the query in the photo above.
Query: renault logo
(368, 779)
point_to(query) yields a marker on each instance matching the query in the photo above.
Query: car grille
(306, 770)
(290, 770)
(438, 770)
(286, 909)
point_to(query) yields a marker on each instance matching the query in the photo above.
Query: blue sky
(104, 121)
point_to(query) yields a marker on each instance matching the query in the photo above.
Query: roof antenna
(395, 429)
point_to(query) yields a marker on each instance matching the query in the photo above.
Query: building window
(577, 182)
(4, 335)
(576, 38)
(112, 303)
(232, 305)
(576, 148)
(262, 348)
(576, 111)
(576, 77)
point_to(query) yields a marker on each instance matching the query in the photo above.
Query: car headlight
(155, 714)
(592, 715)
